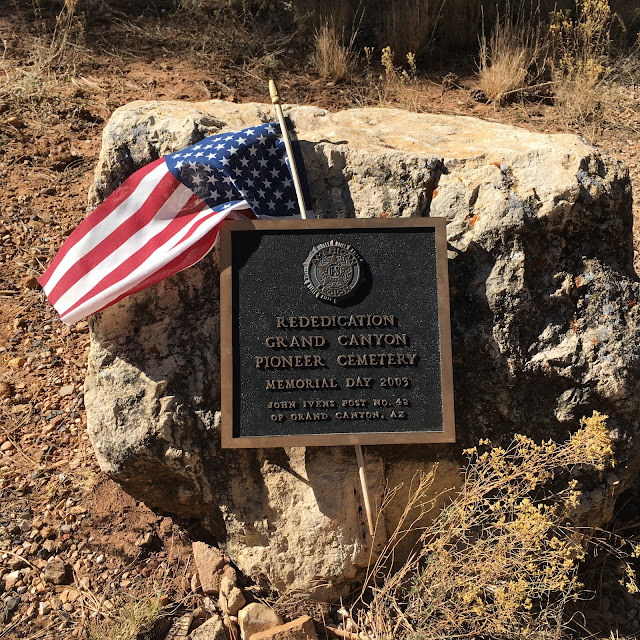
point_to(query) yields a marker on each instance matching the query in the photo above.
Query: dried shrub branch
(501, 559)
(581, 69)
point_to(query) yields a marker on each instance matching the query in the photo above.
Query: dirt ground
(55, 500)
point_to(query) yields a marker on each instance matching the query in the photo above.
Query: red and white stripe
(148, 229)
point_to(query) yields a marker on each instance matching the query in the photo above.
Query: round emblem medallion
(332, 271)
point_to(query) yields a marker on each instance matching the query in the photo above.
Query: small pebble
(10, 607)
(67, 390)
(17, 363)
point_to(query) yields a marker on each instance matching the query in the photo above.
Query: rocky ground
(75, 549)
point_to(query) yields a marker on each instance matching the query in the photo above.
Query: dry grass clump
(512, 58)
(501, 559)
(143, 616)
(408, 26)
(55, 50)
(132, 619)
(333, 60)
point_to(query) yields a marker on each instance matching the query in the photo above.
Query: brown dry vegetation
(64, 68)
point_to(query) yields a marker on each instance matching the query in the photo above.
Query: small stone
(200, 612)
(10, 607)
(144, 539)
(209, 605)
(5, 446)
(15, 121)
(180, 627)
(44, 608)
(65, 528)
(5, 389)
(68, 607)
(165, 527)
(56, 572)
(85, 583)
(17, 363)
(49, 546)
(299, 629)
(257, 617)
(30, 282)
(67, 390)
(212, 565)
(212, 629)
(47, 532)
(10, 580)
(231, 599)
(100, 559)
(16, 563)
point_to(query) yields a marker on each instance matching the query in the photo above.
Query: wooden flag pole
(365, 491)
(275, 99)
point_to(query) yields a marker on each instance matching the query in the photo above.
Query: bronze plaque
(335, 332)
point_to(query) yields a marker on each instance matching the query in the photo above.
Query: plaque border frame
(334, 439)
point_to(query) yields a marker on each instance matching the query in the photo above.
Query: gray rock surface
(257, 617)
(544, 320)
(211, 629)
(231, 598)
(299, 629)
(213, 567)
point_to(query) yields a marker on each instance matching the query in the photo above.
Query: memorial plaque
(335, 332)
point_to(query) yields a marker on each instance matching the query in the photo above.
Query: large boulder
(545, 327)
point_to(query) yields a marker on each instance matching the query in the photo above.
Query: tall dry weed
(501, 559)
(333, 60)
(133, 620)
(461, 23)
(408, 26)
(341, 14)
(54, 53)
(62, 48)
(512, 57)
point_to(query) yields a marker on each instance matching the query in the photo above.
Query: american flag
(166, 217)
